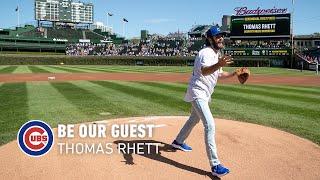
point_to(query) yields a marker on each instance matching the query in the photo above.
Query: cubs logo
(35, 138)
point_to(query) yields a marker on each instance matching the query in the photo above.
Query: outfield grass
(140, 69)
(293, 109)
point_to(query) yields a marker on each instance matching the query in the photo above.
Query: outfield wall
(94, 60)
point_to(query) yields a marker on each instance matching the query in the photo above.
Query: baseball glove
(242, 74)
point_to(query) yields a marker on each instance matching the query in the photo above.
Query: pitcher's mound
(250, 151)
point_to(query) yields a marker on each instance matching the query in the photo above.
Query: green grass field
(293, 109)
(140, 69)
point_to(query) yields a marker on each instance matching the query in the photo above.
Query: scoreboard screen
(63, 11)
(260, 26)
(257, 52)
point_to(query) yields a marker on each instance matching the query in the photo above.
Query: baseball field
(284, 99)
(294, 109)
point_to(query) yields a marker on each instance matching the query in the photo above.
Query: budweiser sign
(242, 11)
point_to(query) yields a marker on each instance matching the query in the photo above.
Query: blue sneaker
(219, 170)
(183, 147)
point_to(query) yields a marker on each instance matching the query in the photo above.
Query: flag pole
(18, 13)
(107, 20)
(18, 17)
(292, 41)
(123, 28)
(18, 9)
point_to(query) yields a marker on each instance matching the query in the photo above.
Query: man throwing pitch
(207, 69)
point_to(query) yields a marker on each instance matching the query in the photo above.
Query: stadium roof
(199, 29)
(312, 36)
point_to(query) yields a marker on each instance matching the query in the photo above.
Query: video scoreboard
(260, 26)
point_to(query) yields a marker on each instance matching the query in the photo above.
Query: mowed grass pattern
(139, 69)
(8, 69)
(13, 109)
(293, 109)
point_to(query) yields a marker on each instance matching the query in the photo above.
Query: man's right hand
(225, 60)
(222, 61)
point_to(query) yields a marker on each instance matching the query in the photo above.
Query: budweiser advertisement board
(244, 11)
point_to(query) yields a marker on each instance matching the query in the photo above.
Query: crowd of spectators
(85, 49)
(161, 46)
(310, 59)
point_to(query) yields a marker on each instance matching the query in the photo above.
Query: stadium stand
(53, 39)
(94, 36)
(33, 33)
(310, 56)
(65, 33)
(198, 30)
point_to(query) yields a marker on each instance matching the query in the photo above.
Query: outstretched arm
(224, 75)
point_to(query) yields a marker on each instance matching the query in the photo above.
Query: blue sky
(164, 16)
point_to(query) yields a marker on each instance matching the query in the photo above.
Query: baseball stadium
(81, 101)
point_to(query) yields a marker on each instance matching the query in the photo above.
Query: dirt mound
(250, 151)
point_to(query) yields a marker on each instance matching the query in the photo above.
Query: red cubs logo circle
(35, 138)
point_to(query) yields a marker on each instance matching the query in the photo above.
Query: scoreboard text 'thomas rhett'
(260, 26)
